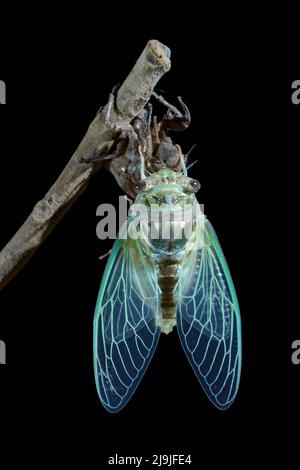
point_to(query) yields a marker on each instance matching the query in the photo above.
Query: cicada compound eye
(194, 185)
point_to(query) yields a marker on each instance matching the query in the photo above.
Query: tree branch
(101, 135)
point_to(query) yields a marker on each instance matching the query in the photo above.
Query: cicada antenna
(190, 151)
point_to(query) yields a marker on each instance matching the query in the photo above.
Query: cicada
(152, 284)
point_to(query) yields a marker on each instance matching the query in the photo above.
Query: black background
(228, 72)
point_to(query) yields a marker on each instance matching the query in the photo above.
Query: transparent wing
(208, 321)
(125, 331)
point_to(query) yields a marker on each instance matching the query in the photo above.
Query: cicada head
(167, 187)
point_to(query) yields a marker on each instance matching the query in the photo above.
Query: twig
(131, 98)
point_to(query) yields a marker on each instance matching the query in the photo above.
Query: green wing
(208, 321)
(125, 331)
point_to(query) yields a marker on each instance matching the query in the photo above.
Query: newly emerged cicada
(153, 283)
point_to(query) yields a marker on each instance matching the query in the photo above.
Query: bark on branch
(132, 96)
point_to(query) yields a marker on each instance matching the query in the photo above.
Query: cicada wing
(125, 331)
(208, 320)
